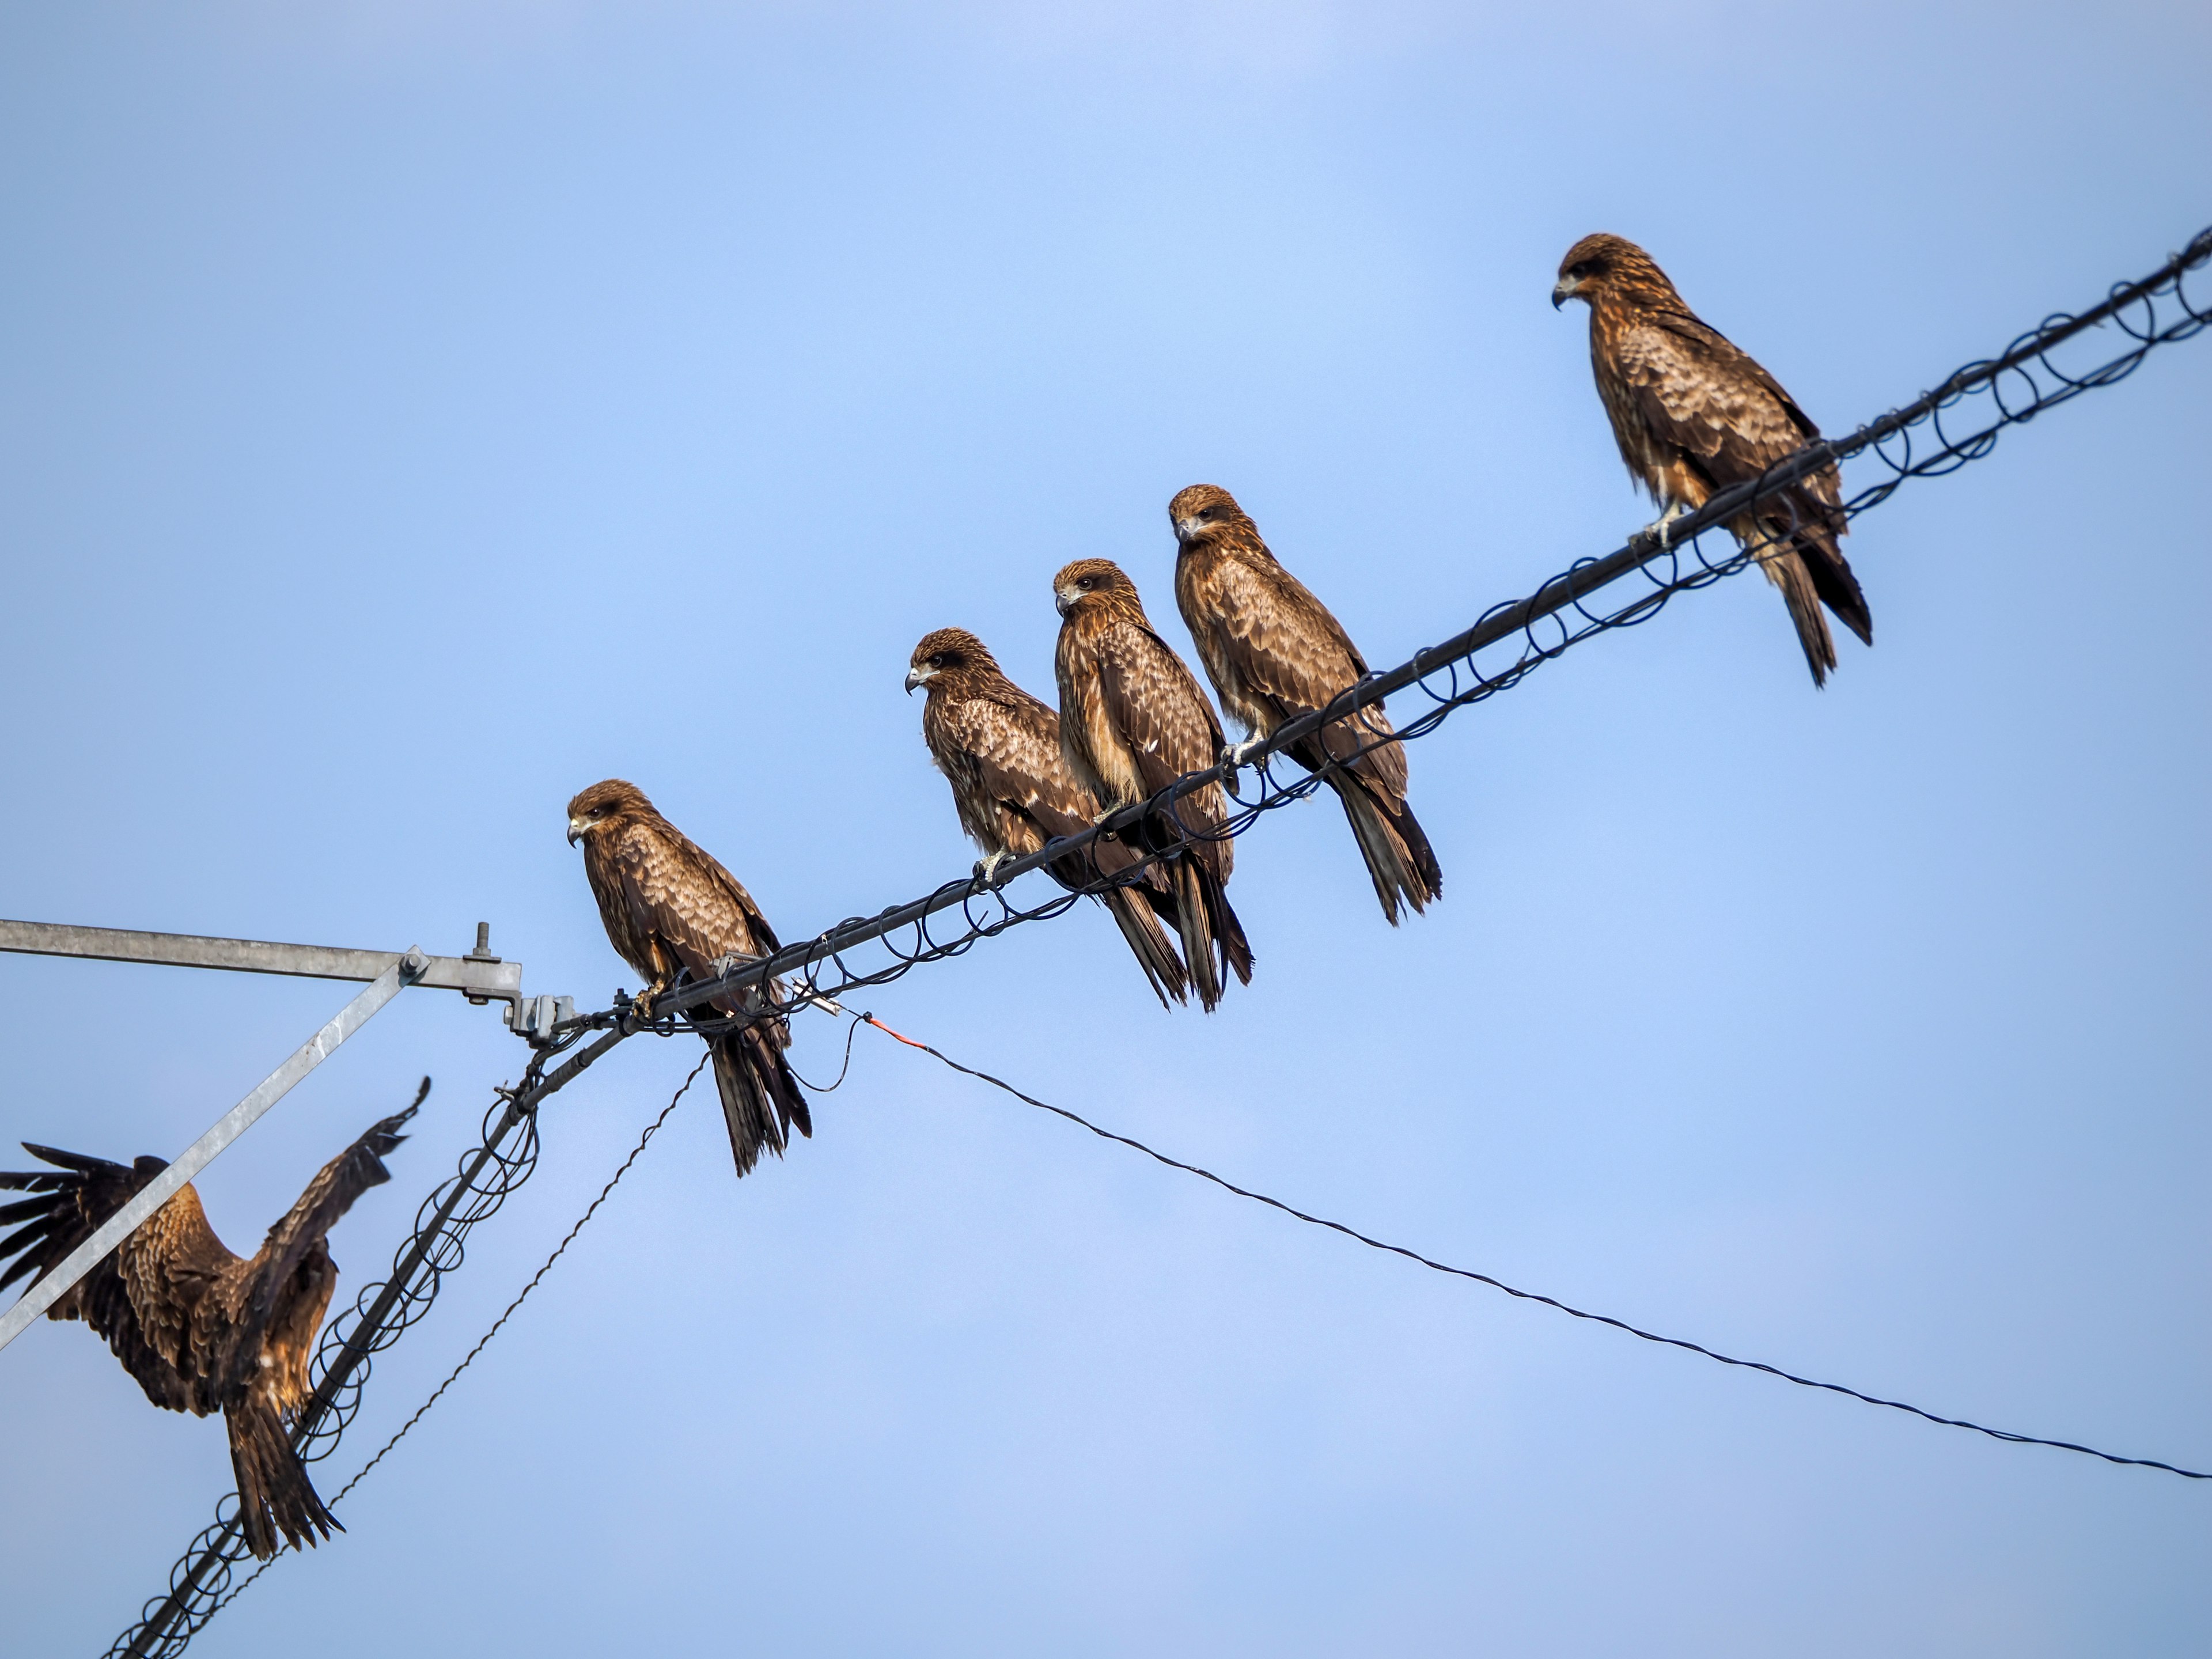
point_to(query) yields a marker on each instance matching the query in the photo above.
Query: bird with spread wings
(670, 909)
(999, 747)
(1693, 414)
(1131, 721)
(203, 1330)
(1273, 652)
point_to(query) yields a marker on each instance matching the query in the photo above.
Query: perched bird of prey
(1131, 721)
(999, 747)
(1692, 415)
(670, 908)
(1273, 652)
(203, 1330)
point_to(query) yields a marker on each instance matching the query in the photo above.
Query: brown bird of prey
(670, 908)
(999, 747)
(203, 1330)
(1273, 652)
(1131, 721)
(1692, 415)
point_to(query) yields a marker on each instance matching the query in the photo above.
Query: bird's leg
(1662, 529)
(1233, 760)
(640, 1006)
(987, 867)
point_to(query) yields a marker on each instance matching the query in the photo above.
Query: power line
(1435, 1266)
(233, 1592)
(200, 1582)
(1937, 433)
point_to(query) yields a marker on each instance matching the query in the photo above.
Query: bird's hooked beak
(918, 677)
(1564, 291)
(575, 830)
(1062, 601)
(1186, 530)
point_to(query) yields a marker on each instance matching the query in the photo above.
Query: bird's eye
(1083, 582)
(1579, 268)
(1207, 514)
(938, 661)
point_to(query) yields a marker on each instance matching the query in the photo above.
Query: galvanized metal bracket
(480, 976)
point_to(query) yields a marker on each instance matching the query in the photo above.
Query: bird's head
(944, 656)
(1601, 265)
(1202, 512)
(1096, 583)
(603, 805)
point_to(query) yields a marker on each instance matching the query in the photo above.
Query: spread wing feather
(70, 1208)
(305, 1226)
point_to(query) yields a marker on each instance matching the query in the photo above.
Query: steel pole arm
(481, 977)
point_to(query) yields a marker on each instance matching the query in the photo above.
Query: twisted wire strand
(234, 1592)
(201, 1582)
(1936, 434)
(1436, 1266)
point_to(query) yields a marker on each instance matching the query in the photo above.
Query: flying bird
(669, 910)
(1273, 652)
(999, 747)
(203, 1330)
(1131, 721)
(1693, 414)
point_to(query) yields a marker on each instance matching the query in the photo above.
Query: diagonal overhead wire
(1937, 433)
(1435, 1266)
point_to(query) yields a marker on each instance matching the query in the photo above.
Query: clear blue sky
(413, 412)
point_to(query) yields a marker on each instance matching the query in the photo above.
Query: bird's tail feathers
(1787, 571)
(1212, 938)
(1149, 942)
(275, 1496)
(762, 1101)
(1399, 861)
(1802, 557)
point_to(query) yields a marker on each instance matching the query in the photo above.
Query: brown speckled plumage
(1273, 652)
(203, 1330)
(1692, 415)
(668, 907)
(1131, 721)
(999, 747)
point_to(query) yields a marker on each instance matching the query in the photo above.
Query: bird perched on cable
(1273, 652)
(1693, 414)
(203, 1330)
(999, 749)
(1131, 721)
(670, 909)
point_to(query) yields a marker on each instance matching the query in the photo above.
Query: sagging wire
(1435, 1266)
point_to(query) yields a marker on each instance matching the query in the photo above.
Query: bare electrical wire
(1429, 1262)
(200, 1582)
(234, 1592)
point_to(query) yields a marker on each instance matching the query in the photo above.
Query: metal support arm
(480, 976)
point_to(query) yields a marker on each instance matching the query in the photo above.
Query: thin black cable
(200, 1581)
(468, 1358)
(1528, 1295)
(852, 1031)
